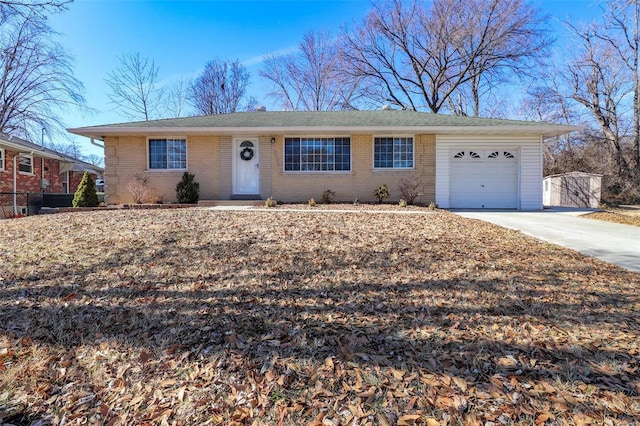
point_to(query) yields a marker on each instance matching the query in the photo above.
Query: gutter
(546, 130)
(39, 153)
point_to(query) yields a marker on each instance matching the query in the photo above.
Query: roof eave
(21, 149)
(545, 130)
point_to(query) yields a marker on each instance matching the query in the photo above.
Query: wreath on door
(246, 154)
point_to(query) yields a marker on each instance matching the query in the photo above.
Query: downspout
(15, 184)
(93, 142)
(42, 174)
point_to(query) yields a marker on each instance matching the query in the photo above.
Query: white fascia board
(21, 149)
(544, 130)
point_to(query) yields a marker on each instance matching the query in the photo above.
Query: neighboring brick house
(29, 168)
(460, 162)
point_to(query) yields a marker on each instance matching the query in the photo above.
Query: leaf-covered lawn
(211, 317)
(616, 216)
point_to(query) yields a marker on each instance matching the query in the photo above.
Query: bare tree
(622, 32)
(70, 148)
(312, 78)
(36, 77)
(176, 101)
(549, 103)
(220, 87)
(135, 88)
(29, 7)
(600, 83)
(95, 159)
(419, 57)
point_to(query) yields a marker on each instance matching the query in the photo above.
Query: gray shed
(573, 189)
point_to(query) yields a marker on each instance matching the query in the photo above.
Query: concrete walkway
(611, 242)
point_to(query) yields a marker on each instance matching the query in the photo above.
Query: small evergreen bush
(312, 203)
(86, 195)
(188, 190)
(382, 193)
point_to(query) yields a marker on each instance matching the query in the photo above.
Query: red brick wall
(31, 182)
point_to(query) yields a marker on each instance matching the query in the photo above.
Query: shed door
(484, 179)
(575, 191)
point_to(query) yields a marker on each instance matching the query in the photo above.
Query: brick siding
(210, 159)
(30, 182)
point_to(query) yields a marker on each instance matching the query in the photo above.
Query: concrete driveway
(611, 242)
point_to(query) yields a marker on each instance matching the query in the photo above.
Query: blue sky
(181, 36)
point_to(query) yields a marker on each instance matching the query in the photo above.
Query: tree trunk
(636, 89)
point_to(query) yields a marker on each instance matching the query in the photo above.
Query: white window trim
(32, 172)
(186, 142)
(65, 180)
(392, 169)
(318, 172)
(3, 161)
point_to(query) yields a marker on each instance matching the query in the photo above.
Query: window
(1, 159)
(317, 154)
(65, 182)
(167, 154)
(393, 153)
(25, 163)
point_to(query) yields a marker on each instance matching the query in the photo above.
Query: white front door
(246, 171)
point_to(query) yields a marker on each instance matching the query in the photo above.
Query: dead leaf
(145, 356)
(408, 419)
(543, 417)
(461, 383)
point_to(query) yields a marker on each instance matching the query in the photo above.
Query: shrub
(410, 189)
(402, 203)
(139, 189)
(86, 195)
(158, 199)
(312, 203)
(188, 190)
(327, 196)
(270, 202)
(382, 193)
(432, 206)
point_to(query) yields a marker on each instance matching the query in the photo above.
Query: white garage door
(484, 179)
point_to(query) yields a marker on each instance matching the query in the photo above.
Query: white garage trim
(529, 167)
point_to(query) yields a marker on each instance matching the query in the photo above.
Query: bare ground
(210, 317)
